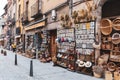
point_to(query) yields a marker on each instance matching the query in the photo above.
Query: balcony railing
(36, 9)
(25, 17)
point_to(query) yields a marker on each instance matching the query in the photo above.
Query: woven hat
(106, 26)
(116, 23)
(88, 64)
(116, 38)
(96, 46)
(81, 64)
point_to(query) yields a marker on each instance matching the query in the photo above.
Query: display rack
(110, 48)
(66, 56)
(110, 45)
(85, 36)
(44, 41)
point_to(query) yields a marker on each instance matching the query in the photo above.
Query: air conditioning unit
(53, 15)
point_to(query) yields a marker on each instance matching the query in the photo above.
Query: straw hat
(116, 23)
(81, 64)
(96, 46)
(88, 64)
(106, 26)
(116, 38)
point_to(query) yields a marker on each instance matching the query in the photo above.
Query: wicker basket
(106, 26)
(111, 66)
(97, 75)
(116, 23)
(116, 38)
(74, 14)
(118, 69)
(114, 57)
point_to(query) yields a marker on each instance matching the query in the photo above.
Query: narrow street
(41, 71)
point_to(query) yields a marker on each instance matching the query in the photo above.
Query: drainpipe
(70, 7)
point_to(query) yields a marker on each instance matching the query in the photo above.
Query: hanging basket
(74, 14)
(116, 23)
(116, 38)
(106, 26)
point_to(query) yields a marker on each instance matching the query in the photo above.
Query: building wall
(51, 24)
(18, 19)
(51, 4)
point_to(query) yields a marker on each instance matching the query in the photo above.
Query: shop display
(108, 75)
(98, 71)
(106, 26)
(29, 45)
(65, 54)
(110, 47)
(84, 34)
(111, 42)
(116, 75)
(116, 23)
(44, 54)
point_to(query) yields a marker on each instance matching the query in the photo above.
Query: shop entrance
(53, 35)
(111, 8)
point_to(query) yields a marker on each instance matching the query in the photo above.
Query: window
(19, 12)
(27, 5)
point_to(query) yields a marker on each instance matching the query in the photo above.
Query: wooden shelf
(62, 65)
(107, 49)
(115, 51)
(62, 58)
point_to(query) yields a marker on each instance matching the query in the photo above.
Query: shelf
(65, 52)
(106, 41)
(107, 49)
(62, 58)
(114, 60)
(62, 52)
(115, 51)
(62, 65)
(72, 60)
(70, 70)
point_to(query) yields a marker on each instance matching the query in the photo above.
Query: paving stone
(41, 71)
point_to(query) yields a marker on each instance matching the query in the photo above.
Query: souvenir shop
(81, 40)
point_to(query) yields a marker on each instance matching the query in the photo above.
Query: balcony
(25, 17)
(36, 9)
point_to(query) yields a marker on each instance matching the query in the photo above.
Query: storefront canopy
(34, 26)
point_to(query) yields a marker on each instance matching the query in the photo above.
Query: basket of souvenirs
(106, 26)
(116, 23)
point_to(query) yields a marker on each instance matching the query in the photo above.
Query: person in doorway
(13, 47)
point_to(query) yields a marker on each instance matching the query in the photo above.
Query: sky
(2, 5)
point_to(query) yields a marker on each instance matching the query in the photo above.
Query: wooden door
(53, 35)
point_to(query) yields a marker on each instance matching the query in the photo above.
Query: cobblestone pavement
(41, 71)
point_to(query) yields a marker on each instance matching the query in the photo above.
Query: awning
(37, 25)
(18, 36)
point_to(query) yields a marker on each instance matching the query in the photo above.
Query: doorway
(53, 36)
